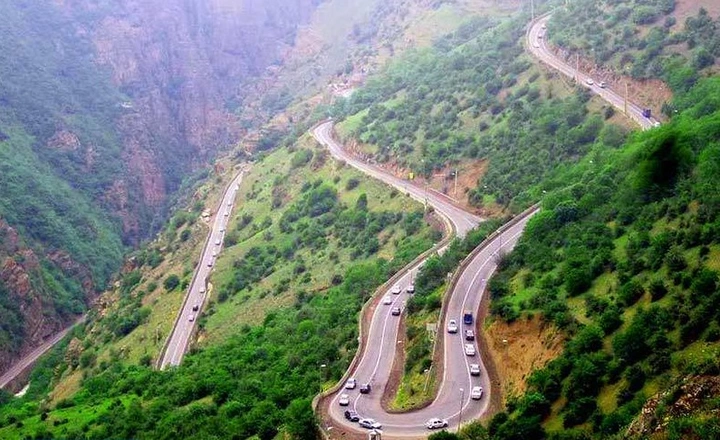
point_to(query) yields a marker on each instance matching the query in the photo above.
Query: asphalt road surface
(376, 363)
(462, 220)
(33, 356)
(537, 45)
(195, 297)
(454, 392)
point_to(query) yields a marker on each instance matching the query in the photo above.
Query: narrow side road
(537, 45)
(179, 339)
(26, 362)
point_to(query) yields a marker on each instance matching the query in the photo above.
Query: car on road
(536, 45)
(202, 290)
(370, 424)
(602, 84)
(365, 388)
(410, 288)
(436, 423)
(227, 213)
(467, 317)
(589, 81)
(396, 311)
(387, 300)
(474, 370)
(217, 242)
(344, 400)
(210, 263)
(469, 335)
(196, 307)
(469, 349)
(222, 229)
(191, 318)
(396, 290)
(543, 26)
(351, 384)
(351, 415)
(452, 326)
(476, 393)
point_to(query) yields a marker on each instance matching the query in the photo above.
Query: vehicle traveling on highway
(196, 307)
(351, 384)
(344, 400)
(452, 326)
(396, 311)
(370, 424)
(474, 370)
(396, 290)
(410, 288)
(436, 423)
(191, 318)
(469, 335)
(476, 393)
(352, 415)
(589, 81)
(469, 349)
(468, 317)
(387, 300)
(365, 388)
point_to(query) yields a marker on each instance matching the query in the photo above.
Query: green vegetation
(52, 191)
(646, 217)
(313, 235)
(638, 37)
(475, 95)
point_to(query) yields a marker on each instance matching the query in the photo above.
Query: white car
(602, 84)
(202, 290)
(474, 370)
(217, 242)
(410, 288)
(370, 424)
(452, 326)
(476, 393)
(589, 81)
(344, 400)
(351, 384)
(396, 290)
(536, 45)
(227, 213)
(469, 349)
(192, 318)
(436, 423)
(387, 300)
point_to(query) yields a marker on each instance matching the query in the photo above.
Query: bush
(171, 282)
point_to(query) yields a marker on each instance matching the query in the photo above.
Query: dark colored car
(365, 389)
(647, 112)
(469, 335)
(468, 317)
(352, 415)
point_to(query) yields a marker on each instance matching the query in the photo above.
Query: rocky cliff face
(182, 64)
(173, 74)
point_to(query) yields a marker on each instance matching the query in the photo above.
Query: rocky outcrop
(694, 396)
(17, 266)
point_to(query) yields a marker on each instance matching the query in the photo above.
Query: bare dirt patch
(519, 348)
(687, 8)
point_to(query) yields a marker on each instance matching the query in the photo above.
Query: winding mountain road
(453, 401)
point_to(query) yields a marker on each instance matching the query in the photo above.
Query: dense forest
(623, 259)
(474, 96)
(641, 38)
